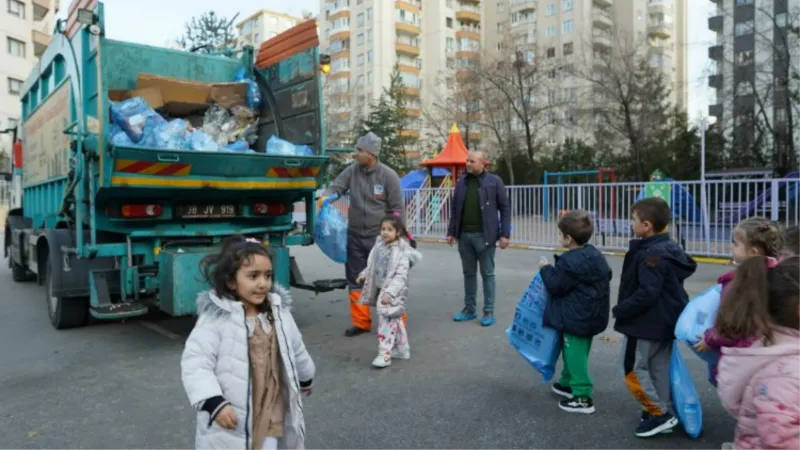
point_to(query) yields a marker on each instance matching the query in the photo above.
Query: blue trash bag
(697, 317)
(238, 147)
(131, 116)
(684, 394)
(253, 93)
(118, 137)
(279, 147)
(330, 232)
(171, 135)
(539, 345)
(200, 141)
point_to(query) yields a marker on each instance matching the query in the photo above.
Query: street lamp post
(703, 194)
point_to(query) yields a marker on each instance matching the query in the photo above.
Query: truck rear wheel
(65, 312)
(18, 272)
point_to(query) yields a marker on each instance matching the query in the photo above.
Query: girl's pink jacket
(760, 387)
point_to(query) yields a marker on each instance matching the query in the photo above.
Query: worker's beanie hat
(370, 143)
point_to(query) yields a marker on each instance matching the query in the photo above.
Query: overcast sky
(156, 22)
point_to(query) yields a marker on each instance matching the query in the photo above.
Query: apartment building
(367, 38)
(575, 32)
(263, 25)
(752, 58)
(25, 30)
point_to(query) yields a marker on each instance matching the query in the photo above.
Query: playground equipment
(600, 173)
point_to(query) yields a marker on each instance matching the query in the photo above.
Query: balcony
(40, 42)
(41, 8)
(602, 19)
(413, 111)
(715, 52)
(659, 28)
(601, 40)
(468, 54)
(468, 14)
(524, 6)
(412, 28)
(340, 34)
(410, 133)
(715, 23)
(414, 6)
(407, 48)
(339, 13)
(715, 110)
(660, 7)
(341, 54)
(468, 34)
(715, 81)
(407, 67)
(603, 3)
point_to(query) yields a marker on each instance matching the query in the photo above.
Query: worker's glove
(326, 199)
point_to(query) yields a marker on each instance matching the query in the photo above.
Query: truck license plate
(215, 211)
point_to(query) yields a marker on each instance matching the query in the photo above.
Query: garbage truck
(113, 230)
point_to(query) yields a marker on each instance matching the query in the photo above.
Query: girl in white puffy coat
(245, 366)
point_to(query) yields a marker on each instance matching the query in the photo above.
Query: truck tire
(19, 273)
(64, 312)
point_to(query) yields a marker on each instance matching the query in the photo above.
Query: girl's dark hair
(220, 269)
(791, 241)
(402, 232)
(759, 299)
(762, 234)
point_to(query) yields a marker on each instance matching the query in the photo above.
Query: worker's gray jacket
(374, 193)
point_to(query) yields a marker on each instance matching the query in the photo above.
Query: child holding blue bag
(580, 290)
(752, 237)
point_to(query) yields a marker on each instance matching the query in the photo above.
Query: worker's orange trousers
(360, 313)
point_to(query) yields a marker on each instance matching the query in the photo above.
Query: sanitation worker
(375, 192)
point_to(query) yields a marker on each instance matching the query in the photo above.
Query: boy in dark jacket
(651, 298)
(579, 288)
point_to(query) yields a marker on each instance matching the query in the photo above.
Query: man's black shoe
(355, 331)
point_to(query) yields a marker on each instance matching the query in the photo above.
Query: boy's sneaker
(564, 391)
(581, 405)
(401, 355)
(488, 320)
(465, 315)
(382, 361)
(654, 425)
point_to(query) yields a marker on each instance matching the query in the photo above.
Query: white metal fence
(535, 211)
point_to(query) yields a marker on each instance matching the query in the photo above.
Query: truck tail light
(269, 209)
(144, 210)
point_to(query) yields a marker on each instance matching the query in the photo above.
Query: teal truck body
(113, 231)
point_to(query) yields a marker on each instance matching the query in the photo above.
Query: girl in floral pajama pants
(386, 288)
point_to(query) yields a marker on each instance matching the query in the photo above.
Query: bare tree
(458, 100)
(629, 97)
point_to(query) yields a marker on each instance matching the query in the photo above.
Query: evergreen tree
(387, 119)
(207, 33)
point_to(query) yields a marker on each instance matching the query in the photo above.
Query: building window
(744, 2)
(369, 35)
(360, 20)
(14, 86)
(369, 77)
(566, 5)
(744, 58)
(568, 48)
(360, 39)
(369, 13)
(551, 10)
(16, 8)
(369, 56)
(780, 115)
(566, 27)
(16, 48)
(449, 22)
(743, 28)
(780, 19)
(551, 52)
(360, 59)
(551, 31)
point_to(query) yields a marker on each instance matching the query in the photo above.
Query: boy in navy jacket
(651, 298)
(579, 288)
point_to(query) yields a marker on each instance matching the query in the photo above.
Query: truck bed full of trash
(163, 114)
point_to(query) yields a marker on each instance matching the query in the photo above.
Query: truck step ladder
(100, 298)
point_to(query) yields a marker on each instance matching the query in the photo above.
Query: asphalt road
(117, 385)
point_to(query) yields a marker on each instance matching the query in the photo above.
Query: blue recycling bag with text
(330, 232)
(697, 317)
(537, 344)
(684, 394)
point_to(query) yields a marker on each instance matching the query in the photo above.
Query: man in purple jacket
(478, 198)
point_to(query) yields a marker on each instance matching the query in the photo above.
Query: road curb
(700, 259)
